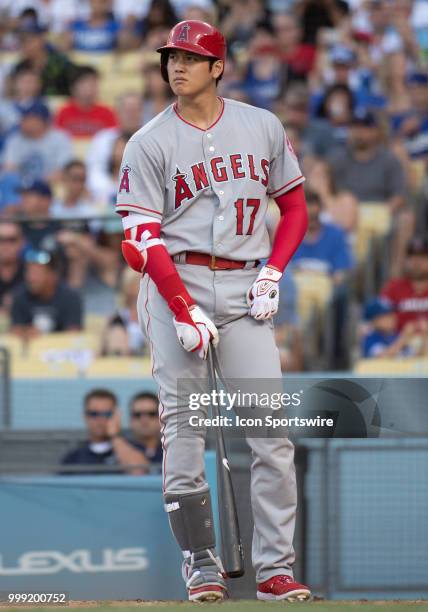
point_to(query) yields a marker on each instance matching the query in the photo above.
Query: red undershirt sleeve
(291, 227)
(160, 266)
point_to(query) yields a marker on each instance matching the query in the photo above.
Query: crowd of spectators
(349, 80)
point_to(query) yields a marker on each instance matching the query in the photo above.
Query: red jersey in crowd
(82, 122)
(301, 60)
(410, 306)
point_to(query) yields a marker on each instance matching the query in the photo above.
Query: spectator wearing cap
(366, 167)
(11, 265)
(100, 32)
(339, 69)
(382, 339)
(83, 116)
(75, 202)
(412, 126)
(105, 444)
(372, 173)
(409, 293)
(32, 211)
(37, 150)
(44, 304)
(343, 61)
(54, 68)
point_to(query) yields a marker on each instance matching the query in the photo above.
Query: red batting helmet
(194, 36)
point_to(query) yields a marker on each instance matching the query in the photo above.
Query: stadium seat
(374, 220)
(104, 62)
(418, 171)
(314, 291)
(130, 63)
(392, 367)
(30, 367)
(114, 86)
(9, 58)
(80, 147)
(55, 102)
(95, 324)
(58, 354)
(13, 344)
(118, 367)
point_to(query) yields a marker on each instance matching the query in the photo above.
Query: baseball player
(193, 195)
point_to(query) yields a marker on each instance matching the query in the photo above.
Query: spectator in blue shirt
(325, 250)
(325, 247)
(101, 32)
(382, 338)
(288, 334)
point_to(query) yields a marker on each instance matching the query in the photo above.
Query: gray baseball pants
(246, 350)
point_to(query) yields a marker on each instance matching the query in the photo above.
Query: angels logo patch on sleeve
(290, 147)
(124, 181)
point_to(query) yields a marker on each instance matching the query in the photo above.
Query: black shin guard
(191, 520)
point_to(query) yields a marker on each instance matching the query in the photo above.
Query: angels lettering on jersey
(201, 175)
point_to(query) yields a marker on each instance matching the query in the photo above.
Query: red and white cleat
(204, 582)
(282, 587)
(207, 593)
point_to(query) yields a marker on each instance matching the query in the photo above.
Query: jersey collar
(196, 126)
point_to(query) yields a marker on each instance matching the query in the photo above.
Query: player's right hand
(194, 329)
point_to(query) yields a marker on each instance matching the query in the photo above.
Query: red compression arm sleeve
(291, 227)
(161, 268)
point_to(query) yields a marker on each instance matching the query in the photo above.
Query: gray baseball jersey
(209, 187)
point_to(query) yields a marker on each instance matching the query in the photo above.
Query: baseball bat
(231, 545)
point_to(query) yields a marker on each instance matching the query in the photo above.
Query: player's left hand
(263, 295)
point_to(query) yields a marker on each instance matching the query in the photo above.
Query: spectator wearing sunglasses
(145, 428)
(105, 446)
(43, 303)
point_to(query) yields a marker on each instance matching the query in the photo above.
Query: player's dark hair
(143, 395)
(99, 394)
